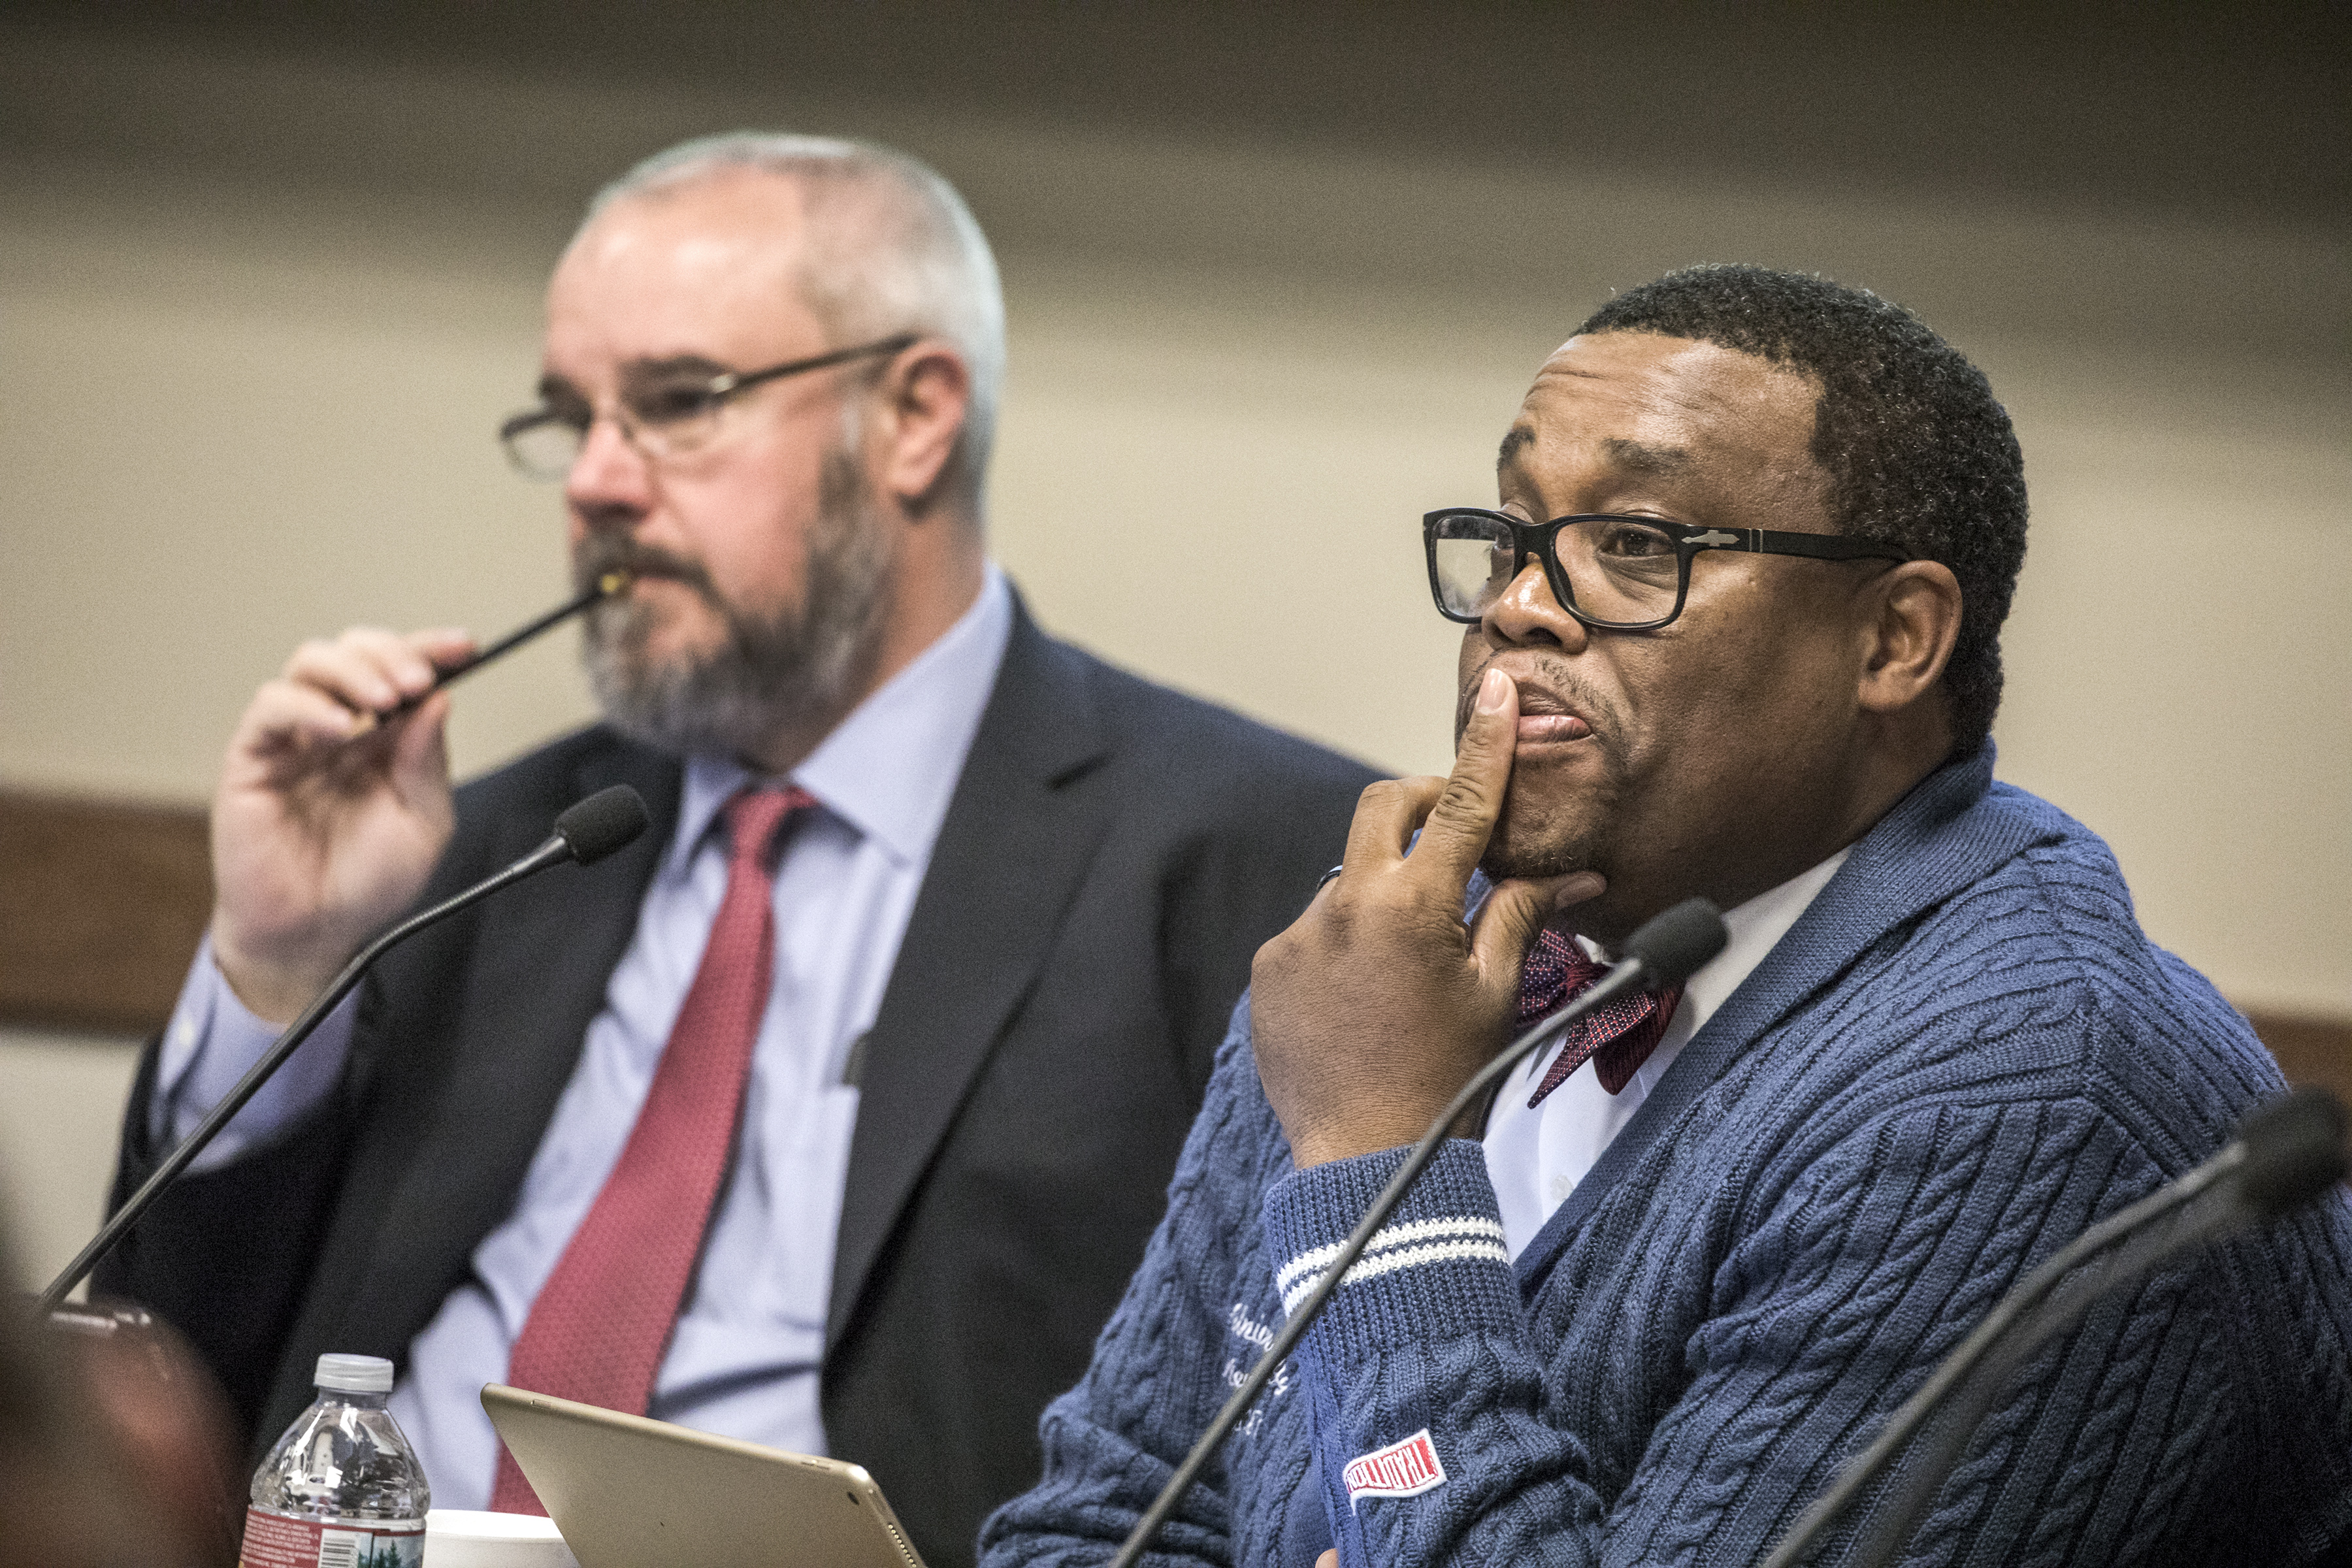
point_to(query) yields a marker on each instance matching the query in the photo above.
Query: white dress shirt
(1536, 1157)
(750, 1338)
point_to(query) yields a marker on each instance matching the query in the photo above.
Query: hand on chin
(1378, 1003)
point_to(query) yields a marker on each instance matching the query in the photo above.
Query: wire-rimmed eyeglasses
(661, 420)
(1616, 574)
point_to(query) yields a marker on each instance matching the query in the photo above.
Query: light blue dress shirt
(751, 1340)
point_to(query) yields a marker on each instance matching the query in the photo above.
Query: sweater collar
(1951, 830)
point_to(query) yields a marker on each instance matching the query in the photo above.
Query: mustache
(602, 553)
(1563, 681)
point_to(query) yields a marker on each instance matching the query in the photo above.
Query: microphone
(585, 833)
(589, 830)
(1664, 952)
(2287, 1151)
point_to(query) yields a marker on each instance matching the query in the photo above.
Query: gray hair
(917, 262)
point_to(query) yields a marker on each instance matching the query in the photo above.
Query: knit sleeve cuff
(1437, 1267)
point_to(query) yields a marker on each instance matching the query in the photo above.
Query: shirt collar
(1754, 929)
(889, 768)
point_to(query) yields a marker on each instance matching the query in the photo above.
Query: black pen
(604, 587)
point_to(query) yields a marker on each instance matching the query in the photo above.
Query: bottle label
(273, 1540)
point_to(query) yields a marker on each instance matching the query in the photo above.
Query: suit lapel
(1011, 853)
(1912, 860)
(541, 959)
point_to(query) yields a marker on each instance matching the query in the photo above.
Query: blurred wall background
(270, 276)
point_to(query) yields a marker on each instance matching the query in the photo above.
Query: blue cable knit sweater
(1961, 1055)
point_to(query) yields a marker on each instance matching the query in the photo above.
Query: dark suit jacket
(1112, 857)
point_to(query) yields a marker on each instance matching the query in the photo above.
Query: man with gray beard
(834, 1113)
(798, 665)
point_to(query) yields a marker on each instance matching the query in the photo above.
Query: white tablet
(629, 1492)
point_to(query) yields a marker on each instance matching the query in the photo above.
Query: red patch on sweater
(1403, 1468)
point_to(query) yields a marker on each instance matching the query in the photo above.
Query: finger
(1459, 825)
(355, 667)
(1386, 814)
(1506, 929)
(289, 711)
(1508, 924)
(420, 754)
(443, 646)
(410, 670)
(443, 650)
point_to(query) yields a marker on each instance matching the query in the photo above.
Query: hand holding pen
(334, 802)
(604, 587)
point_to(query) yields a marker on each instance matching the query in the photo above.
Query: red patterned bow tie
(1617, 1039)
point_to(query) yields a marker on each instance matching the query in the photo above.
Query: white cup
(461, 1538)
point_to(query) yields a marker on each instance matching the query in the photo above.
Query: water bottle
(342, 1487)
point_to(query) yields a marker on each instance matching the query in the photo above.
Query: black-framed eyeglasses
(1616, 574)
(661, 420)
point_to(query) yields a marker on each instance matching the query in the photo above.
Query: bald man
(835, 1112)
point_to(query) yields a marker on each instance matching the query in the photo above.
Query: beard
(1544, 828)
(1537, 838)
(795, 669)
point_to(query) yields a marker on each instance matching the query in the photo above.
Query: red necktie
(600, 1323)
(1617, 1039)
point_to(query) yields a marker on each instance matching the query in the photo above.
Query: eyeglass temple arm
(1778, 542)
(728, 386)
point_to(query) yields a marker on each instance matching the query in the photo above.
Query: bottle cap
(354, 1373)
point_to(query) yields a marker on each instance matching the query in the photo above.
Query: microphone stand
(2286, 1152)
(1890, 1524)
(556, 849)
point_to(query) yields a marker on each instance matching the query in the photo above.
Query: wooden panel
(101, 904)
